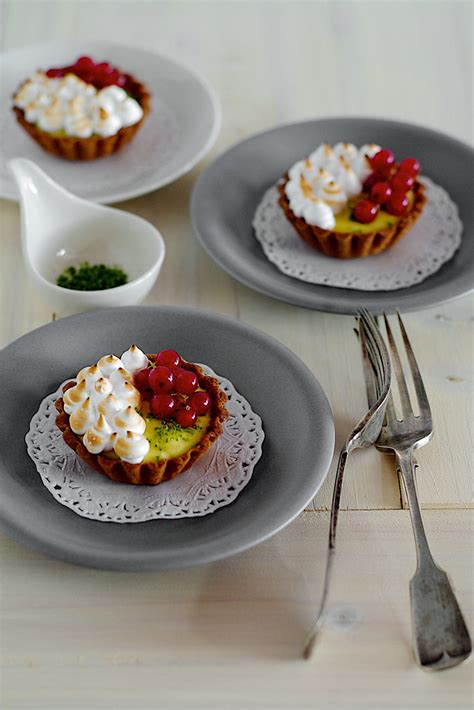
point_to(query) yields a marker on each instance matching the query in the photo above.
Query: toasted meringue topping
(90, 375)
(347, 178)
(134, 359)
(128, 394)
(114, 93)
(324, 157)
(51, 119)
(332, 193)
(101, 406)
(100, 390)
(130, 112)
(106, 123)
(129, 420)
(109, 407)
(83, 417)
(100, 437)
(132, 447)
(81, 109)
(332, 175)
(27, 93)
(75, 396)
(109, 363)
(94, 442)
(120, 375)
(79, 125)
(348, 151)
(362, 165)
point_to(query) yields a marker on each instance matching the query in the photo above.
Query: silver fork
(441, 638)
(364, 434)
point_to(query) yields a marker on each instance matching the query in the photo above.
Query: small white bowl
(59, 230)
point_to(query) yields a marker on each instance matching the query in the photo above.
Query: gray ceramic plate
(228, 191)
(296, 455)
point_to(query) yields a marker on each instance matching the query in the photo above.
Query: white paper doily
(431, 242)
(213, 481)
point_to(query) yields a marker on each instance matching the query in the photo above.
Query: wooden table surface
(228, 635)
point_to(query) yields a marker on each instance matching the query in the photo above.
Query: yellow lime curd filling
(168, 440)
(345, 224)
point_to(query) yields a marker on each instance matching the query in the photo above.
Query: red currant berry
(113, 77)
(186, 381)
(397, 204)
(365, 211)
(383, 161)
(200, 402)
(162, 406)
(104, 68)
(402, 182)
(186, 417)
(86, 75)
(380, 192)
(169, 358)
(54, 73)
(161, 379)
(409, 165)
(121, 81)
(84, 62)
(372, 180)
(140, 379)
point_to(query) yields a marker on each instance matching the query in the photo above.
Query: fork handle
(335, 505)
(440, 634)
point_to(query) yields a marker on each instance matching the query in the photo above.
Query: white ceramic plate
(182, 127)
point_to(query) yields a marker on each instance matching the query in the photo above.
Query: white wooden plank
(442, 340)
(228, 635)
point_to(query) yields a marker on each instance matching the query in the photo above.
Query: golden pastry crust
(352, 245)
(72, 148)
(149, 473)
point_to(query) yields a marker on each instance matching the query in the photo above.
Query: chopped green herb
(95, 277)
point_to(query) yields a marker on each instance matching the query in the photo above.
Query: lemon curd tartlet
(350, 202)
(141, 419)
(84, 111)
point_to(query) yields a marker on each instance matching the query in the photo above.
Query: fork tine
(367, 365)
(377, 352)
(397, 365)
(376, 349)
(423, 402)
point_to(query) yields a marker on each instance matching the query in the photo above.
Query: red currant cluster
(387, 186)
(99, 74)
(171, 390)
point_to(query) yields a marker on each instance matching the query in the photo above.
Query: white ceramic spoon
(59, 230)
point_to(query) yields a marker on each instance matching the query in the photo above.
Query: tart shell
(72, 148)
(351, 245)
(149, 473)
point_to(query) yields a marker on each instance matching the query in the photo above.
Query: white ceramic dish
(60, 230)
(181, 128)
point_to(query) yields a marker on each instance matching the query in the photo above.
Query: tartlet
(158, 462)
(339, 233)
(73, 96)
